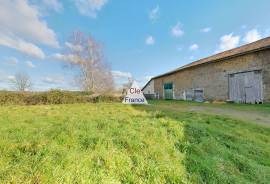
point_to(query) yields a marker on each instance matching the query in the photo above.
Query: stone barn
(239, 75)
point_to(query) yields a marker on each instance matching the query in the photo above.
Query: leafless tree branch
(86, 55)
(21, 82)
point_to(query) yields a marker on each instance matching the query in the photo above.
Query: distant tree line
(53, 97)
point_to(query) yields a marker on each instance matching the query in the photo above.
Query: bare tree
(21, 81)
(86, 55)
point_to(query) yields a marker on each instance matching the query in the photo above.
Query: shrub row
(52, 97)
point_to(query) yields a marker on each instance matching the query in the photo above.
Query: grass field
(114, 143)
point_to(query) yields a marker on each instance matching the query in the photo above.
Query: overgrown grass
(115, 143)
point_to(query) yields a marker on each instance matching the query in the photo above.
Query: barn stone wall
(265, 57)
(213, 77)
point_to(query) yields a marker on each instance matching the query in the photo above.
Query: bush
(52, 97)
(11, 98)
(34, 99)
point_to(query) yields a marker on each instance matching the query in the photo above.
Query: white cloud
(193, 47)
(60, 57)
(150, 40)
(22, 46)
(11, 77)
(252, 36)
(53, 4)
(206, 29)
(30, 64)
(228, 42)
(12, 61)
(66, 58)
(119, 74)
(177, 30)
(5, 78)
(53, 80)
(22, 28)
(73, 47)
(154, 13)
(90, 7)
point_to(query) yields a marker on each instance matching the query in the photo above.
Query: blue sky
(140, 38)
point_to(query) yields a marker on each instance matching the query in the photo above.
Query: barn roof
(146, 84)
(245, 49)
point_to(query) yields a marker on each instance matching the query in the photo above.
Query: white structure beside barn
(149, 90)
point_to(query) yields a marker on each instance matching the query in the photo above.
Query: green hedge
(52, 97)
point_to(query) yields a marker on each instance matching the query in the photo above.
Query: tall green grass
(102, 143)
(219, 149)
(115, 143)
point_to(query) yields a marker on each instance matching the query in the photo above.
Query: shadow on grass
(219, 149)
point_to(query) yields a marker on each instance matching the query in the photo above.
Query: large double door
(246, 87)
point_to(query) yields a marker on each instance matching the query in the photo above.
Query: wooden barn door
(168, 91)
(246, 87)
